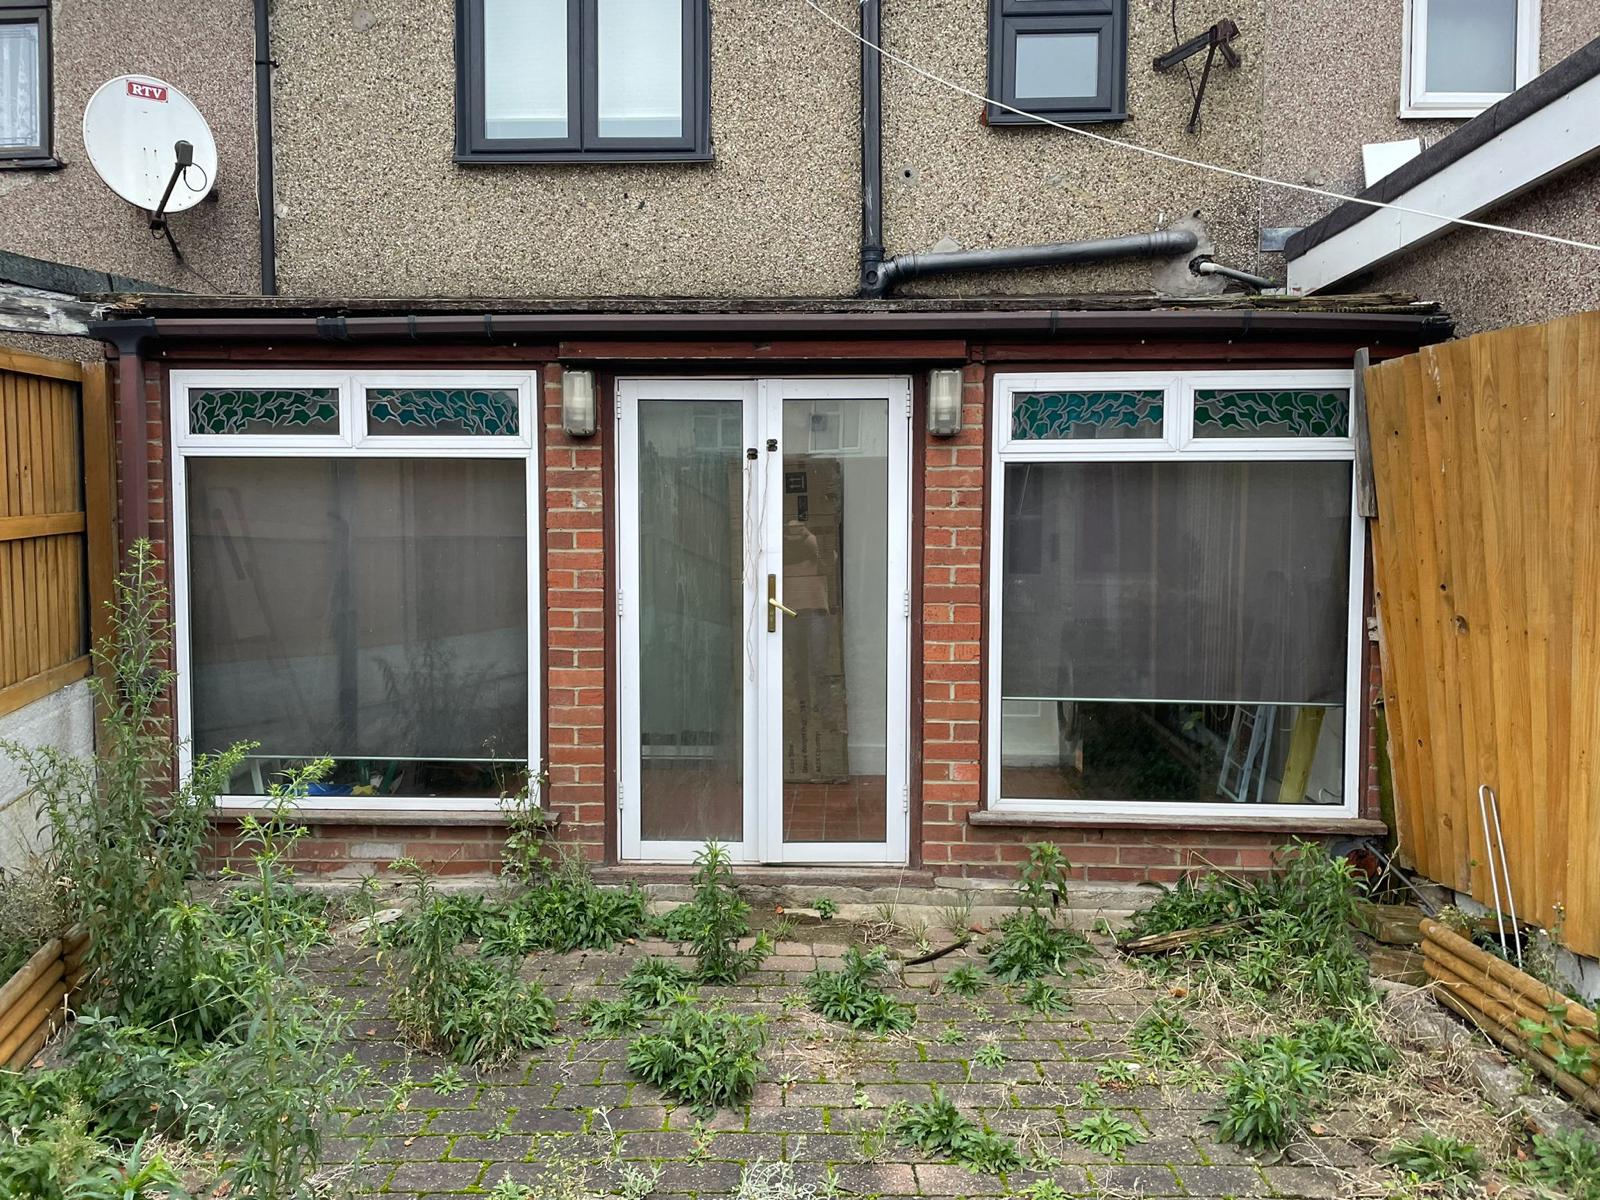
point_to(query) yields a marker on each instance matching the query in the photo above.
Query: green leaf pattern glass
(264, 410)
(1300, 412)
(442, 411)
(1036, 416)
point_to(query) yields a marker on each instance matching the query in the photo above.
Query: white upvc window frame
(1177, 445)
(351, 441)
(1417, 101)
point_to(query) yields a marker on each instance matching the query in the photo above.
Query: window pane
(1472, 46)
(691, 623)
(1084, 415)
(483, 412)
(525, 68)
(1245, 412)
(20, 101)
(1146, 605)
(264, 410)
(372, 610)
(1057, 64)
(641, 68)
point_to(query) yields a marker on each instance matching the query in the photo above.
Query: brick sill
(1266, 823)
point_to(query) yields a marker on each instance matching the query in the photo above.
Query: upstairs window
(582, 80)
(1062, 59)
(24, 81)
(1461, 56)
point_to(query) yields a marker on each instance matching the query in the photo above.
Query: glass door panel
(686, 693)
(834, 711)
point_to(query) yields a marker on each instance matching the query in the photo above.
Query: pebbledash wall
(952, 833)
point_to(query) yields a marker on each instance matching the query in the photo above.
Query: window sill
(31, 164)
(1266, 822)
(1042, 119)
(577, 158)
(312, 814)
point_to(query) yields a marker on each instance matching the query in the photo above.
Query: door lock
(775, 606)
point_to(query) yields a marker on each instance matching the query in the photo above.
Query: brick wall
(337, 850)
(952, 635)
(575, 532)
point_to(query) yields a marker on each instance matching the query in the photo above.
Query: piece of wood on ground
(1162, 943)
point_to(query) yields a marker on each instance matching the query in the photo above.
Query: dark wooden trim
(243, 356)
(1153, 354)
(99, 495)
(833, 349)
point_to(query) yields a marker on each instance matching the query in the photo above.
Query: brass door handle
(775, 606)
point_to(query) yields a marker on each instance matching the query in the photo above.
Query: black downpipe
(879, 275)
(264, 184)
(871, 147)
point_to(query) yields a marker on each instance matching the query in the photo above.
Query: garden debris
(1178, 939)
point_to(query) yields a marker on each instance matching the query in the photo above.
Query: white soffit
(1554, 139)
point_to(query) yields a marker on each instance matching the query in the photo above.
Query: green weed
(705, 1057)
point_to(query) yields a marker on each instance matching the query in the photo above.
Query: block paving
(570, 1120)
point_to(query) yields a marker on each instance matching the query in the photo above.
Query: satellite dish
(150, 144)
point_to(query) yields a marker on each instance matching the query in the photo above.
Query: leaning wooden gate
(57, 540)
(1486, 461)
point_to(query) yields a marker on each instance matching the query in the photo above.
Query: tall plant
(124, 841)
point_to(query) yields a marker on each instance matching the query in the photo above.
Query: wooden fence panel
(56, 523)
(1486, 459)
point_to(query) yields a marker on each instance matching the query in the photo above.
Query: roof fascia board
(1554, 139)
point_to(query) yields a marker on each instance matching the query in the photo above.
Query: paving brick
(434, 1176)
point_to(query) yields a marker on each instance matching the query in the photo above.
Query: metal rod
(267, 218)
(1494, 877)
(1505, 873)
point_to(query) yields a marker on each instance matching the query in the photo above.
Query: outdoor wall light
(577, 403)
(944, 402)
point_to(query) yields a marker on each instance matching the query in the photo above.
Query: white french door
(764, 618)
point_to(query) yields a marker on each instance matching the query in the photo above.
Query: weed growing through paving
(854, 995)
(654, 982)
(950, 1036)
(473, 1008)
(1032, 943)
(612, 1018)
(938, 1127)
(1449, 1165)
(1044, 999)
(990, 1054)
(563, 910)
(826, 909)
(705, 1057)
(1163, 1036)
(716, 919)
(964, 981)
(1043, 1189)
(1106, 1133)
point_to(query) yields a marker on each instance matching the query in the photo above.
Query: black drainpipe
(264, 184)
(871, 147)
(879, 275)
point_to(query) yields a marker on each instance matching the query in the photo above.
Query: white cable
(1189, 162)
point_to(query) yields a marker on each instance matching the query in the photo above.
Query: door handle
(775, 606)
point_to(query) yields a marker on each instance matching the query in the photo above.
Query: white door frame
(763, 651)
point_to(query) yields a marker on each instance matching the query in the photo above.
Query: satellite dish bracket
(183, 159)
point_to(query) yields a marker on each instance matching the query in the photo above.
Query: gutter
(265, 188)
(1053, 324)
(130, 338)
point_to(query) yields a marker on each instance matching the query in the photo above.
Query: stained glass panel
(434, 411)
(1082, 415)
(1280, 412)
(264, 410)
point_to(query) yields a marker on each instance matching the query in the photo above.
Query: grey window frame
(1108, 18)
(33, 12)
(583, 142)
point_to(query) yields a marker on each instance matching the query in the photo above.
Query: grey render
(371, 202)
